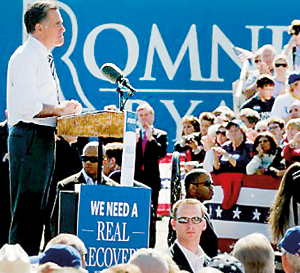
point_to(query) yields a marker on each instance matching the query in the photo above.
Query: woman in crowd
(216, 137)
(267, 157)
(291, 151)
(280, 79)
(190, 144)
(231, 160)
(285, 211)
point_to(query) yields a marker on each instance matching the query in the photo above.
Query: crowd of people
(36, 164)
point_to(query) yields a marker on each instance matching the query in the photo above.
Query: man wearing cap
(290, 248)
(189, 223)
(282, 103)
(292, 49)
(263, 100)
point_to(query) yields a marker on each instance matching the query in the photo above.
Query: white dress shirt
(30, 84)
(196, 261)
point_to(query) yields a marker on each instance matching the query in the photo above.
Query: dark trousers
(31, 151)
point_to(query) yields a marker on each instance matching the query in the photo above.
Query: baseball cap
(291, 241)
(60, 254)
(238, 123)
(293, 77)
(226, 263)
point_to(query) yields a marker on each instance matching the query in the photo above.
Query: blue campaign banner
(178, 54)
(113, 222)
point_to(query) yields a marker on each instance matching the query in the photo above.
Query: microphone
(115, 75)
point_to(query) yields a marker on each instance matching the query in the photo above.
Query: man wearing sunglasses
(189, 223)
(89, 173)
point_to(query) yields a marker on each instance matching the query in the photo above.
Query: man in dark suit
(151, 146)
(189, 223)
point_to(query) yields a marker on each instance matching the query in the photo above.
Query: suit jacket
(147, 164)
(180, 259)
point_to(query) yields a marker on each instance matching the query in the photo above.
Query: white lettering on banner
(110, 231)
(254, 34)
(277, 36)
(134, 212)
(108, 256)
(219, 39)
(97, 208)
(89, 49)
(175, 115)
(131, 120)
(117, 209)
(157, 43)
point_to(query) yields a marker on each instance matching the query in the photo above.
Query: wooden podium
(92, 124)
(101, 124)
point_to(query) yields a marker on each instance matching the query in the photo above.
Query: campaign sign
(113, 222)
(128, 157)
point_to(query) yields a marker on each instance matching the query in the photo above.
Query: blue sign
(128, 156)
(178, 54)
(113, 222)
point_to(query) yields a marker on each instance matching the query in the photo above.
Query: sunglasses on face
(221, 132)
(205, 183)
(185, 220)
(295, 31)
(280, 64)
(91, 159)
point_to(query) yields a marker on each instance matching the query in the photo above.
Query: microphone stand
(122, 100)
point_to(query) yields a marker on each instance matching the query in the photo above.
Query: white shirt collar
(196, 261)
(88, 179)
(38, 45)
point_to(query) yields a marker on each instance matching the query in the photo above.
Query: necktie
(53, 72)
(144, 141)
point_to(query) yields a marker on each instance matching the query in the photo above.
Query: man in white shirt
(32, 103)
(282, 103)
(188, 222)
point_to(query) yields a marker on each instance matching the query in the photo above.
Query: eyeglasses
(205, 183)
(257, 61)
(91, 159)
(185, 220)
(280, 64)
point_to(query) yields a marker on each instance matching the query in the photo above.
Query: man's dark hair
(192, 175)
(36, 13)
(264, 80)
(114, 150)
(208, 116)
